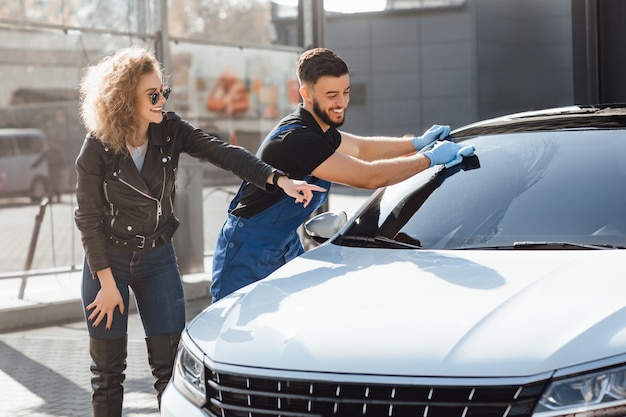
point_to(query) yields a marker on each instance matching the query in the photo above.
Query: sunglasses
(154, 97)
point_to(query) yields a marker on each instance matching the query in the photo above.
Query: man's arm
(384, 147)
(348, 170)
(373, 148)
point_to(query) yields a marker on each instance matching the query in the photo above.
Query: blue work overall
(248, 250)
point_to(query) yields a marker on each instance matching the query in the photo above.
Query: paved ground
(44, 369)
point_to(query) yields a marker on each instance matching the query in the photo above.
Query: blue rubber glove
(448, 153)
(466, 150)
(431, 135)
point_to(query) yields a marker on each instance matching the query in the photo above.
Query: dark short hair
(320, 62)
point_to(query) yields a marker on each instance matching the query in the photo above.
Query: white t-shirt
(138, 154)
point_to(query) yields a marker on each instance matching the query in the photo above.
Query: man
(260, 233)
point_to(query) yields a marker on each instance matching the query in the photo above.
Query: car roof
(603, 116)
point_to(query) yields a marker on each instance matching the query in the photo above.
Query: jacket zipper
(106, 196)
(159, 209)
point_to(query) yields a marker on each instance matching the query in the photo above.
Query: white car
(22, 172)
(493, 288)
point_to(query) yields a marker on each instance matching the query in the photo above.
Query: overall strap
(272, 135)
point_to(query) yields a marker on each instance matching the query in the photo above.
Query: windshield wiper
(547, 245)
(558, 245)
(377, 241)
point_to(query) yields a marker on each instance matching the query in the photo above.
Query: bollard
(33, 244)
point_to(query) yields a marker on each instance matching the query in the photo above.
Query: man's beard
(319, 113)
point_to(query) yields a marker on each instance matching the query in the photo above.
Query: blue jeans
(155, 280)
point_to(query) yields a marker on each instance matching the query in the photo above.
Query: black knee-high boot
(108, 362)
(161, 354)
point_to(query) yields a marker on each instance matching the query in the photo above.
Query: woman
(126, 174)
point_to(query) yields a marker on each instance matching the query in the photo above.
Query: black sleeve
(298, 153)
(236, 159)
(89, 213)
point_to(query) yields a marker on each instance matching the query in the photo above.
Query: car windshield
(537, 190)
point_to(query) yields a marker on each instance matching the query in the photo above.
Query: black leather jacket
(118, 205)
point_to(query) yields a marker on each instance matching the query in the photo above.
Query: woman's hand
(300, 190)
(106, 300)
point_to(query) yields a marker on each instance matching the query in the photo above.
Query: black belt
(141, 242)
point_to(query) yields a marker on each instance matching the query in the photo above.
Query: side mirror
(324, 226)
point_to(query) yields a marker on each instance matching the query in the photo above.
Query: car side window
(6, 147)
(29, 145)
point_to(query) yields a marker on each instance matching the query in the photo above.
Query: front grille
(232, 395)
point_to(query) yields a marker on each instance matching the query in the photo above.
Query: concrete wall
(453, 65)
(524, 55)
(408, 70)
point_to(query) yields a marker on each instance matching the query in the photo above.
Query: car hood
(424, 313)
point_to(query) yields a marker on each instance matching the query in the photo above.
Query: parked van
(20, 149)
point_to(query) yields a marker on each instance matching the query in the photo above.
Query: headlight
(585, 395)
(189, 375)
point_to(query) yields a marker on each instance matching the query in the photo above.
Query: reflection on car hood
(424, 313)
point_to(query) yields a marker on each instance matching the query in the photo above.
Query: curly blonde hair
(108, 95)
